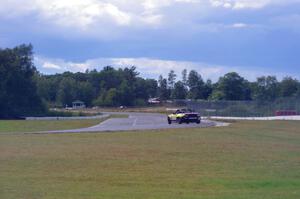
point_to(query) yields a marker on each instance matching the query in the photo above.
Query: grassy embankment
(245, 160)
(19, 126)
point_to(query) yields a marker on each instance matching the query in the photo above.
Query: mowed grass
(17, 126)
(246, 160)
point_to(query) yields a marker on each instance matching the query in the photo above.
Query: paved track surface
(137, 121)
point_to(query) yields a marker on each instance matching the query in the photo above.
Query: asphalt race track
(137, 121)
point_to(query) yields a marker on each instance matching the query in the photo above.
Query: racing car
(184, 116)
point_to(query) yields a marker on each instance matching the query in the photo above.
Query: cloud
(239, 25)
(58, 65)
(151, 68)
(78, 13)
(290, 22)
(156, 67)
(115, 19)
(249, 4)
(85, 13)
(48, 65)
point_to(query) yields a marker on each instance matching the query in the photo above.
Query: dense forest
(24, 91)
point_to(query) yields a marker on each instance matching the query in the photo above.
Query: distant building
(78, 105)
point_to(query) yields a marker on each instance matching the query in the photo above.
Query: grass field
(21, 126)
(246, 160)
(17, 126)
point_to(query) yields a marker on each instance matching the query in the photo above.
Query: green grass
(25, 126)
(18, 126)
(246, 160)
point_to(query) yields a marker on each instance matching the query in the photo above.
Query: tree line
(116, 87)
(231, 87)
(108, 87)
(24, 91)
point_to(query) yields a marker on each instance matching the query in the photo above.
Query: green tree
(196, 85)
(179, 91)
(184, 77)
(297, 94)
(171, 79)
(125, 94)
(18, 91)
(130, 74)
(111, 98)
(207, 90)
(144, 89)
(85, 92)
(232, 87)
(266, 88)
(289, 87)
(66, 92)
(108, 98)
(110, 78)
(151, 87)
(47, 87)
(163, 91)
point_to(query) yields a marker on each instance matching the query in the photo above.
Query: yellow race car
(184, 116)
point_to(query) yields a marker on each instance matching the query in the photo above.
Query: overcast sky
(252, 37)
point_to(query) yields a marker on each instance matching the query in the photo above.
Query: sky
(213, 37)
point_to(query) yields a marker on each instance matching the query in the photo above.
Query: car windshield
(183, 111)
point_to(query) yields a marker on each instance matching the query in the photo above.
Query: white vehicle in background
(154, 101)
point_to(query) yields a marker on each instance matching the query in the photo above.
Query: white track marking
(296, 118)
(134, 122)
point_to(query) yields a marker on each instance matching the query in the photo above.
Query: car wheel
(198, 121)
(180, 121)
(169, 121)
